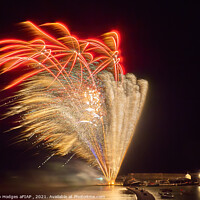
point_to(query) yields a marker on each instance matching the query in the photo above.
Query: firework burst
(74, 96)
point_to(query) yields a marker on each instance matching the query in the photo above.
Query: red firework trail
(48, 53)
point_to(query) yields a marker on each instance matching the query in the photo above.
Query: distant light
(188, 176)
(101, 178)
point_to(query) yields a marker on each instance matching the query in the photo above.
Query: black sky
(160, 43)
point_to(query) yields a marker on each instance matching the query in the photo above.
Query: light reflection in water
(100, 193)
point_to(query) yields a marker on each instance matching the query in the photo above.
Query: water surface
(97, 192)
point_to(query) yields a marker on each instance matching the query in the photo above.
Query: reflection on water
(75, 192)
(98, 192)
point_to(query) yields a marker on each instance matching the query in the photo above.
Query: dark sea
(96, 192)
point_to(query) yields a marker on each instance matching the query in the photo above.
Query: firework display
(73, 95)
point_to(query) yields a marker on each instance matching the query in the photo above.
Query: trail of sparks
(74, 96)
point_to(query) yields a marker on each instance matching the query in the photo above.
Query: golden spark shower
(73, 96)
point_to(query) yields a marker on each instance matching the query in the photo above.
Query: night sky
(159, 43)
